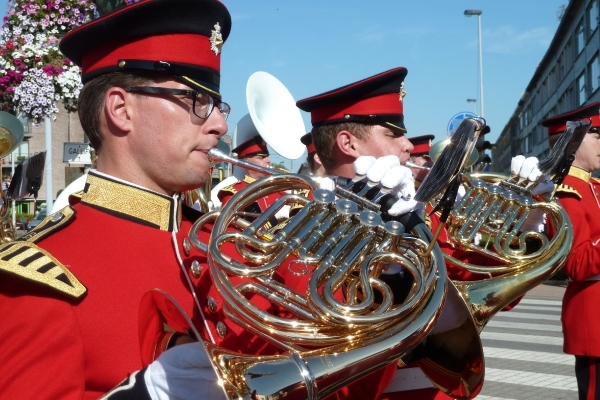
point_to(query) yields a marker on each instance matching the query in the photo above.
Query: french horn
(498, 206)
(11, 135)
(331, 255)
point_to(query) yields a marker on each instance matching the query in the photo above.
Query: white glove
(283, 213)
(390, 174)
(183, 372)
(527, 169)
(534, 222)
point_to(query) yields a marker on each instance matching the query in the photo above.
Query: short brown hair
(91, 99)
(324, 139)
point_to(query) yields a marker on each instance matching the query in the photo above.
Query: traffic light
(482, 145)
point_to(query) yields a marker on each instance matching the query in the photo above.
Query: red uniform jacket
(118, 242)
(579, 195)
(227, 193)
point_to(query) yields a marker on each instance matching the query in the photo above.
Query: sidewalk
(551, 290)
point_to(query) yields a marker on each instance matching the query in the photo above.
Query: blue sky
(313, 46)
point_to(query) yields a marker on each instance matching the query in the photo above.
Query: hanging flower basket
(34, 75)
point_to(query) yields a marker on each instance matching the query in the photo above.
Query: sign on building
(77, 153)
(456, 120)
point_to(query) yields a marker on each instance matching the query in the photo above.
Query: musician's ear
(346, 144)
(117, 110)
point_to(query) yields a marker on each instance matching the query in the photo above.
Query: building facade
(567, 78)
(65, 129)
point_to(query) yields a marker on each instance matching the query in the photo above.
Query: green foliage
(29, 217)
(105, 6)
(561, 11)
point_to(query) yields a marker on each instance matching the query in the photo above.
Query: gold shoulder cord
(567, 189)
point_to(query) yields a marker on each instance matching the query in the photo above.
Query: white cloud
(506, 40)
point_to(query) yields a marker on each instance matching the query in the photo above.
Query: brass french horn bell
(11, 133)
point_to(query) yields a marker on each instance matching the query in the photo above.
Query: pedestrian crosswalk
(523, 354)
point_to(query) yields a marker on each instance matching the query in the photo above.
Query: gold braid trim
(128, 200)
(27, 260)
(567, 189)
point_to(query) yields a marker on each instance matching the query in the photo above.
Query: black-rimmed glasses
(202, 105)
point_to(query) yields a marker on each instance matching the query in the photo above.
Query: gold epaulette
(229, 189)
(562, 188)
(25, 259)
(303, 192)
(50, 224)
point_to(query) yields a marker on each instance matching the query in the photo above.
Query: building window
(594, 69)
(561, 67)
(580, 37)
(581, 89)
(20, 153)
(592, 14)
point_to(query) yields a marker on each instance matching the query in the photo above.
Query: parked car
(36, 220)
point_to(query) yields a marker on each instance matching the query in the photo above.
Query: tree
(561, 11)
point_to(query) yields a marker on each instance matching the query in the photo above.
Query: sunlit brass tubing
(413, 165)
(499, 213)
(330, 343)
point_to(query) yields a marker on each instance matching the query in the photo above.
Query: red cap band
(388, 103)
(183, 48)
(421, 149)
(562, 126)
(253, 149)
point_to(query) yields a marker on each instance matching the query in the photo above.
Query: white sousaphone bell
(272, 114)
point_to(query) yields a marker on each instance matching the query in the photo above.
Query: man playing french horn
(579, 195)
(152, 111)
(353, 125)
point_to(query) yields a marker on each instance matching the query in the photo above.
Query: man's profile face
(383, 141)
(261, 160)
(588, 154)
(168, 144)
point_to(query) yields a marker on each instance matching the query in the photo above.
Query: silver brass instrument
(331, 255)
(11, 135)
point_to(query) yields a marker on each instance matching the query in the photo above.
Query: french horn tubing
(331, 254)
(329, 341)
(498, 206)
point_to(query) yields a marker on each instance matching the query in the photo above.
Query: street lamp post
(468, 13)
(474, 101)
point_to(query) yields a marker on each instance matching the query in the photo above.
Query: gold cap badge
(216, 39)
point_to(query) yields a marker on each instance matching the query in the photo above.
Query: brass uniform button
(212, 305)
(196, 268)
(221, 329)
(187, 247)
